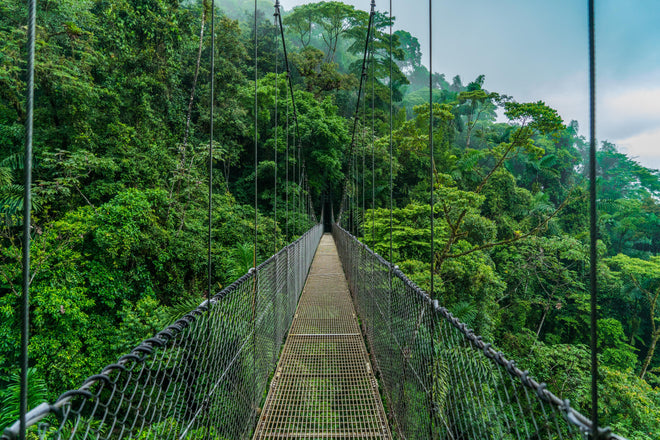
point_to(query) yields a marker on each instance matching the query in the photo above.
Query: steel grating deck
(324, 387)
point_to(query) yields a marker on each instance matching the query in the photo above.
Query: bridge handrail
(305, 243)
(573, 416)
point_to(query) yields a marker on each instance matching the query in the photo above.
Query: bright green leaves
(127, 226)
(535, 115)
(531, 119)
(37, 393)
(615, 351)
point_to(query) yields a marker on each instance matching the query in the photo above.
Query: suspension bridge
(324, 340)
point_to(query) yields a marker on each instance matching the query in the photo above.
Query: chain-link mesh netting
(440, 379)
(324, 386)
(202, 377)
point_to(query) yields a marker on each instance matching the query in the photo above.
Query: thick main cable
(278, 15)
(288, 68)
(357, 105)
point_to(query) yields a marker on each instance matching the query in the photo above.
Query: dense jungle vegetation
(120, 191)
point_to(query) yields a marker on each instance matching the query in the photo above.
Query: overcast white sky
(537, 50)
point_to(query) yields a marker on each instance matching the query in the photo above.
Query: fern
(10, 396)
(242, 259)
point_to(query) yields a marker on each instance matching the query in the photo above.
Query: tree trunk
(182, 149)
(649, 354)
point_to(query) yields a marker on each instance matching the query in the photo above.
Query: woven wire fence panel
(442, 381)
(204, 376)
(324, 386)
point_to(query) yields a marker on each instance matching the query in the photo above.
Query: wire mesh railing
(441, 380)
(202, 377)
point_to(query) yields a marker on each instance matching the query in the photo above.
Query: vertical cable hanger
(210, 170)
(277, 88)
(363, 155)
(364, 164)
(210, 202)
(286, 187)
(294, 202)
(296, 134)
(357, 108)
(432, 201)
(27, 207)
(593, 277)
(373, 145)
(299, 178)
(391, 126)
(256, 137)
(256, 159)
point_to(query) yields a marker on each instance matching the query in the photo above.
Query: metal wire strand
(593, 219)
(27, 221)
(277, 88)
(180, 384)
(431, 153)
(357, 105)
(440, 379)
(210, 189)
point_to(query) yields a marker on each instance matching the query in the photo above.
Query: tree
(327, 20)
(643, 277)
(412, 58)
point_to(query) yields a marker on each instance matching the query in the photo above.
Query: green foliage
(120, 202)
(10, 396)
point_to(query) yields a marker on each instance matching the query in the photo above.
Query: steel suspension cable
(256, 135)
(27, 220)
(210, 202)
(357, 105)
(593, 217)
(255, 278)
(299, 208)
(373, 146)
(298, 201)
(364, 167)
(432, 201)
(286, 187)
(278, 16)
(277, 88)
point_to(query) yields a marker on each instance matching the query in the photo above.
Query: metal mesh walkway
(324, 386)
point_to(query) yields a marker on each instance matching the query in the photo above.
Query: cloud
(629, 116)
(643, 147)
(631, 110)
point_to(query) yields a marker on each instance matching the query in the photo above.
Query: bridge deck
(324, 386)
